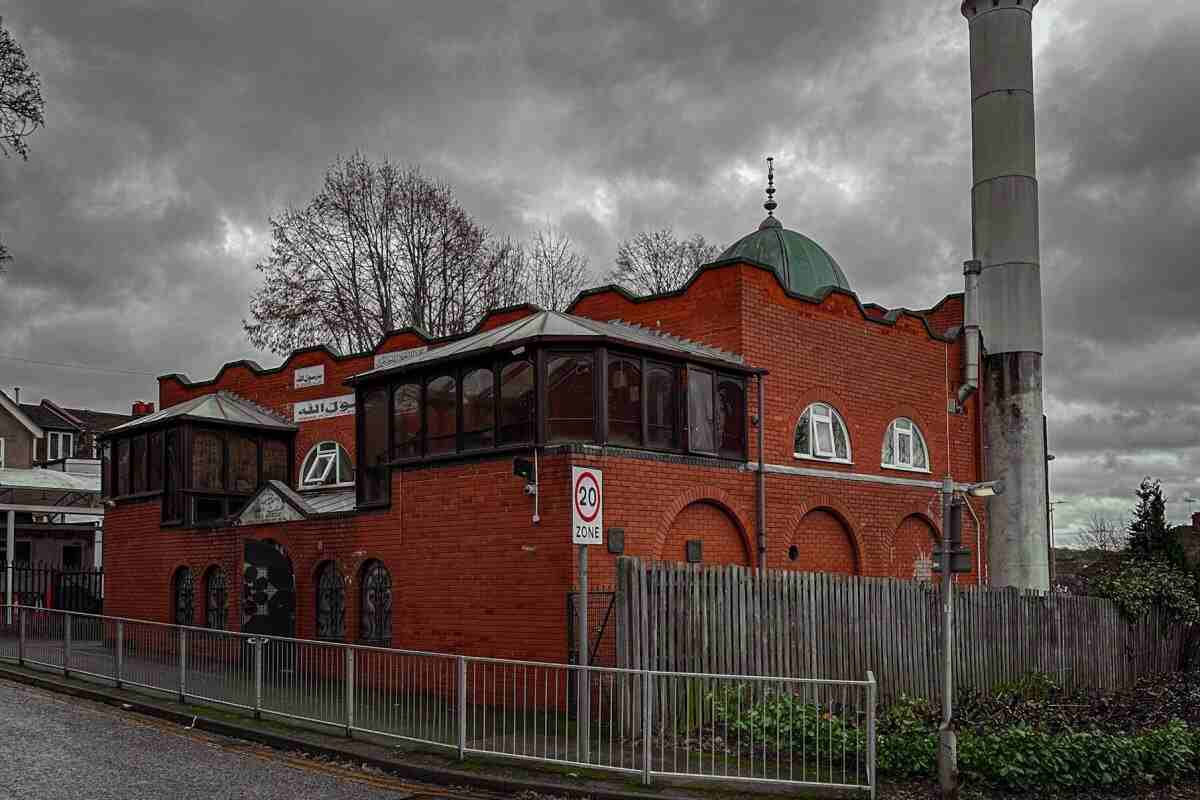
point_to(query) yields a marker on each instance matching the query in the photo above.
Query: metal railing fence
(793, 731)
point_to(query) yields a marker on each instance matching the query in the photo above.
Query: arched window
(376, 620)
(184, 590)
(904, 446)
(331, 603)
(821, 433)
(215, 604)
(327, 464)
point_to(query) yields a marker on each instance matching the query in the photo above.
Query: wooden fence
(733, 620)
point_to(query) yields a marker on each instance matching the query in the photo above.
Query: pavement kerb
(418, 772)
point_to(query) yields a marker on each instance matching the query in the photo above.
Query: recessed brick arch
(696, 507)
(836, 532)
(912, 546)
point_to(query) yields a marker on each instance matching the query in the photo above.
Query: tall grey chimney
(1004, 212)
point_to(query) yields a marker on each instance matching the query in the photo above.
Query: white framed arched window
(821, 433)
(327, 464)
(904, 446)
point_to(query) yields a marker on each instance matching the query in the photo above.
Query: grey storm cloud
(174, 130)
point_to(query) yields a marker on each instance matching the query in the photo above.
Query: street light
(948, 750)
(985, 489)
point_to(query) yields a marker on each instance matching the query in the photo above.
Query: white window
(821, 433)
(327, 464)
(904, 446)
(59, 445)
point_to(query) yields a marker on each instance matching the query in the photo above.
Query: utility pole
(947, 739)
(953, 558)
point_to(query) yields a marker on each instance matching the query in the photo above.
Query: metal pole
(647, 723)
(21, 636)
(762, 481)
(258, 676)
(872, 700)
(462, 707)
(948, 749)
(11, 545)
(183, 665)
(119, 671)
(66, 645)
(583, 704)
(349, 692)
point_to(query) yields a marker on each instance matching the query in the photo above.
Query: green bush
(1142, 585)
(780, 716)
(1011, 754)
(1021, 757)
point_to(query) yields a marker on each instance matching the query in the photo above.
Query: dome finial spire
(770, 205)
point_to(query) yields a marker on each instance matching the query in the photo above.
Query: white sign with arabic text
(304, 377)
(397, 357)
(326, 407)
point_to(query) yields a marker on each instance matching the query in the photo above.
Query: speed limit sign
(587, 506)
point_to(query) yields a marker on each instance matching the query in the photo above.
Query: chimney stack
(17, 395)
(141, 409)
(1004, 214)
(1196, 520)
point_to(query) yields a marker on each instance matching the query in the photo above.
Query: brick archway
(697, 509)
(827, 538)
(911, 553)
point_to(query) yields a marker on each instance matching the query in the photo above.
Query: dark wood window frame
(176, 479)
(538, 357)
(362, 473)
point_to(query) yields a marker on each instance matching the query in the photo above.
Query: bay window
(570, 397)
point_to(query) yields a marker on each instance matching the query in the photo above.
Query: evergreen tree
(1149, 534)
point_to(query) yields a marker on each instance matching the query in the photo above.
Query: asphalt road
(54, 747)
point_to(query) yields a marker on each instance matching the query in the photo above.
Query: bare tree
(1103, 534)
(554, 272)
(379, 247)
(656, 262)
(21, 105)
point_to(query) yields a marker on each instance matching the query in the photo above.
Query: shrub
(1140, 585)
(1021, 757)
(780, 716)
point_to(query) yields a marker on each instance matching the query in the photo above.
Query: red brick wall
(914, 543)
(470, 570)
(824, 544)
(722, 541)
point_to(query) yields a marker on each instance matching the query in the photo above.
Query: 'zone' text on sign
(587, 506)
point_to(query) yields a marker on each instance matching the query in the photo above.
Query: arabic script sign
(327, 407)
(397, 357)
(267, 507)
(305, 377)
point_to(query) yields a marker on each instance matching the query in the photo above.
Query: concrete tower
(1004, 212)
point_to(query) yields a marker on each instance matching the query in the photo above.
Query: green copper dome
(802, 264)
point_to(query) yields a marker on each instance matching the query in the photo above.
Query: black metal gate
(50, 587)
(268, 590)
(602, 650)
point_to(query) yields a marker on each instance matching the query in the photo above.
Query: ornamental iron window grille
(376, 622)
(331, 603)
(185, 597)
(216, 604)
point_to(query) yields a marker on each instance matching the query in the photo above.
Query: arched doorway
(268, 589)
(717, 532)
(823, 543)
(912, 549)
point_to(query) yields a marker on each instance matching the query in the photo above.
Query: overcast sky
(174, 129)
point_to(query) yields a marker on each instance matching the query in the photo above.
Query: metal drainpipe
(762, 481)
